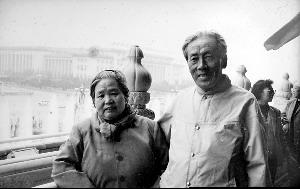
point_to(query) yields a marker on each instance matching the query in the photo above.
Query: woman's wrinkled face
(109, 99)
(204, 62)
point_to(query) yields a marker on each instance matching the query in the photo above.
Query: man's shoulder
(183, 94)
(183, 97)
(240, 92)
(185, 91)
(84, 125)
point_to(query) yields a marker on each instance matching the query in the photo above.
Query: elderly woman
(263, 91)
(114, 147)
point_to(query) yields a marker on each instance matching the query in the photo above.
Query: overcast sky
(160, 25)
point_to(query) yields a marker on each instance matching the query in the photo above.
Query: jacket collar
(223, 84)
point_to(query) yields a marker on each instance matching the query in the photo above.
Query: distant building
(59, 63)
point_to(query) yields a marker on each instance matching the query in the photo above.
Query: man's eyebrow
(207, 52)
(194, 52)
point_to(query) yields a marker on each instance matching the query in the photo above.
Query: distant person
(292, 132)
(215, 129)
(14, 126)
(114, 147)
(285, 87)
(81, 97)
(264, 92)
(241, 80)
(34, 126)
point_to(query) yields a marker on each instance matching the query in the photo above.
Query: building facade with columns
(57, 63)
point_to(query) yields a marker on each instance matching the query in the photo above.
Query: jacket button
(188, 184)
(120, 158)
(122, 178)
(197, 126)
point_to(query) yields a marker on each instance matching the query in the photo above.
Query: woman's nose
(108, 99)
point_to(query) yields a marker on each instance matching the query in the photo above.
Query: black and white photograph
(149, 94)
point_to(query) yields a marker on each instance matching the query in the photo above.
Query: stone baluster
(139, 81)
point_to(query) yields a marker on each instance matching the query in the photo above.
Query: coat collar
(112, 131)
(294, 104)
(291, 108)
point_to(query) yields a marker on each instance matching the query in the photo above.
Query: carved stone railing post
(139, 81)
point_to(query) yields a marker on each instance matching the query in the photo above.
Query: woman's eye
(100, 96)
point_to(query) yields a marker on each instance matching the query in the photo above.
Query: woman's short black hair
(260, 85)
(115, 74)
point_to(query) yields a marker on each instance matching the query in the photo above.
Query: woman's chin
(109, 118)
(112, 115)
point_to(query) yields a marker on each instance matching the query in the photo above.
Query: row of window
(15, 63)
(60, 65)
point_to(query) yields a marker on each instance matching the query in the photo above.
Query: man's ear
(224, 61)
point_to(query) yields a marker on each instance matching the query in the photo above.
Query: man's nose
(201, 64)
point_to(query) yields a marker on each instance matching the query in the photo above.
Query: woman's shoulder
(146, 124)
(84, 125)
(142, 120)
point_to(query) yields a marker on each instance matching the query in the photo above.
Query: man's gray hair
(219, 39)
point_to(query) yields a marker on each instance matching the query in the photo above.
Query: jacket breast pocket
(227, 134)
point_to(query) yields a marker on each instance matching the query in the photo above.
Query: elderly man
(215, 129)
(292, 130)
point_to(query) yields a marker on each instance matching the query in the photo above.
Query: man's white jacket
(217, 138)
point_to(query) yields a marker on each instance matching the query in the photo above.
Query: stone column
(138, 81)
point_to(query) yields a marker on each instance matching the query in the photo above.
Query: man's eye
(208, 57)
(194, 59)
